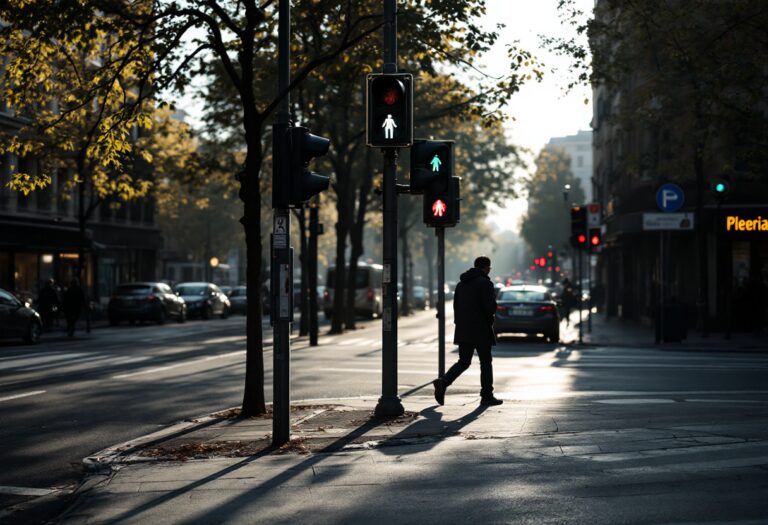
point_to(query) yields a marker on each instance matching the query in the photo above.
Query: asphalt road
(67, 398)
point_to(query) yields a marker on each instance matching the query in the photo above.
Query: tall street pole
(281, 268)
(440, 232)
(314, 227)
(389, 403)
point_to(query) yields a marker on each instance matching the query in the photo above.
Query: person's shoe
(440, 387)
(490, 401)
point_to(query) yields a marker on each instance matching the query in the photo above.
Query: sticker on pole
(670, 197)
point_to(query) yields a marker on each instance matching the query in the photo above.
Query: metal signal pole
(440, 232)
(281, 268)
(389, 403)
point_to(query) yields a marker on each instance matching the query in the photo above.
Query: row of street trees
(116, 62)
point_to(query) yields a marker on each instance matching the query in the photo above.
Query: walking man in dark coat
(474, 308)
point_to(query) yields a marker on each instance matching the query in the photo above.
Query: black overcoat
(474, 308)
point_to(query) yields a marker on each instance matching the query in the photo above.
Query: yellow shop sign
(734, 223)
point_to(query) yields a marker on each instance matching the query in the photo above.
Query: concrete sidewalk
(546, 461)
(613, 331)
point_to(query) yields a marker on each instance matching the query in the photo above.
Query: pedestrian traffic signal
(442, 204)
(303, 183)
(389, 103)
(432, 165)
(595, 238)
(579, 227)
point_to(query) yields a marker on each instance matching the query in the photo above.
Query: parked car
(18, 320)
(420, 297)
(368, 300)
(226, 289)
(204, 300)
(527, 309)
(150, 301)
(238, 299)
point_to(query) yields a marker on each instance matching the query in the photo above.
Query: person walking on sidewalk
(73, 303)
(474, 308)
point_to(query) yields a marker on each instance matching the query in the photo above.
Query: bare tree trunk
(356, 238)
(250, 193)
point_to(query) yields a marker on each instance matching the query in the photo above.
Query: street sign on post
(670, 197)
(389, 104)
(667, 221)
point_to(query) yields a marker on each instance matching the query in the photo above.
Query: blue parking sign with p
(670, 197)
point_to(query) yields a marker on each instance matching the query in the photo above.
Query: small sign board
(670, 197)
(667, 221)
(593, 215)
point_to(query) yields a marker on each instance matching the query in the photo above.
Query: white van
(368, 299)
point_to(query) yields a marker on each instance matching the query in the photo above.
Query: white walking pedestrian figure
(389, 127)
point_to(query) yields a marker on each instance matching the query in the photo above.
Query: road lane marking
(25, 491)
(26, 394)
(177, 365)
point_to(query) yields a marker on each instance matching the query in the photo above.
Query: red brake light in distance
(547, 308)
(500, 308)
(151, 298)
(370, 294)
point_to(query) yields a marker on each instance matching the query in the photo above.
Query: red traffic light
(533, 267)
(557, 269)
(595, 240)
(581, 238)
(391, 96)
(549, 253)
(439, 208)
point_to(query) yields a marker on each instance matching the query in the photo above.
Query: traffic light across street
(389, 104)
(579, 227)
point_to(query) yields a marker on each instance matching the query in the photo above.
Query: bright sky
(542, 110)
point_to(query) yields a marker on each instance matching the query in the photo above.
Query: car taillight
(326, 294)
(500, 308)
(547, 308)
(151, 298)
(370, 294)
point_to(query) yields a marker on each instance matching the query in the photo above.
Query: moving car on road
(17, 320)
(149, 301)
(527, 309)
(420, 299)
(204, 300)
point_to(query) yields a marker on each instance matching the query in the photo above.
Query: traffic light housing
(432, 163)
(442, 203)
(297, 184)
(579, 227)
(389, 107)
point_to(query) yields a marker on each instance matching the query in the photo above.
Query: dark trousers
(466, 350)
(71, 323)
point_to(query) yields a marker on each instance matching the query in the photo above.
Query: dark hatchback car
(527, 309)
(238, 299)
(145, 302)
(204, 300)
(18, 321)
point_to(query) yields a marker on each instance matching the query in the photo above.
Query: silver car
(527, 309)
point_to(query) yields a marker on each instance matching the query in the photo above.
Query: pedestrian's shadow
(427, 431)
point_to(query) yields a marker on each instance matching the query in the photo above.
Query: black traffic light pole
(314, 227)
(281, 268)
(389, 403)
(440, 232)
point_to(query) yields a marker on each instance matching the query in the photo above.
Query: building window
(580, 161)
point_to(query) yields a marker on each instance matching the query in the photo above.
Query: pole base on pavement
(389, 406)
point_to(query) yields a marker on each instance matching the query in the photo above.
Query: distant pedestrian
(48, 303)
(567, 300)
(474, 308)
(73, 304)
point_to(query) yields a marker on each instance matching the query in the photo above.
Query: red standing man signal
(439, 208)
